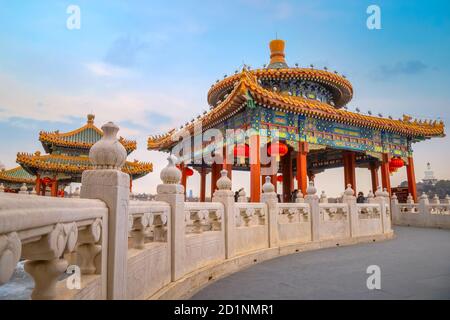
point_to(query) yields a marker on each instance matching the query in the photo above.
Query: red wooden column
(255, 169)
(54, 190)
(302, 174)
(385, 180)
(374, 175)
(131, 184)
(202, 184)
(38, 185)
(287, 176)
(215, 175)
(227, 166)
(349, 159)
(183, 177)
(412, 189)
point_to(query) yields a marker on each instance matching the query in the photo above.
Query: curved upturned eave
(247, 83)
(33, 163)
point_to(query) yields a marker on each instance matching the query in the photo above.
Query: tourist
(360, 198)
(294, 195)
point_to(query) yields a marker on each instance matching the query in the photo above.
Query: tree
(441, 188)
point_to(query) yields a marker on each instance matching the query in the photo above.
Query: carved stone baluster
(247, 214)
(138, 233)
(159, 227)
(88, 250)
(10, 250)
(197, 217)
(214, 218)
(46, 265)
(261, 216)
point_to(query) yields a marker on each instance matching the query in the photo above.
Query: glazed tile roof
(17, 175)
(74, 164)
(246, 84)
(82, 138)
(340, 86)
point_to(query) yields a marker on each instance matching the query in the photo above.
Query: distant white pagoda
(429, 176)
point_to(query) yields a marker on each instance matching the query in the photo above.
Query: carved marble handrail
(333, 211)
(439, 209)
(147, 222)
(202, 217)
(408, 207)
(295, 212)
(368, 210)
(248, 212)
(43, 229)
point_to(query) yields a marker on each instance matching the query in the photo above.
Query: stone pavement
(415, 265)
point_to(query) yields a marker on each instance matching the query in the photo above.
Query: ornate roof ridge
(247, 82)
(18, 175)
(57, 138)
(39, 161)
(321, 76)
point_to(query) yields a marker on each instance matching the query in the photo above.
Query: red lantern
(277, 149)
(188, 172)
(46, 180)
(396, 162)
(280, 178)
(241, 149)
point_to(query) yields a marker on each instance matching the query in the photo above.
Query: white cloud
(102, 69)
(19, 100)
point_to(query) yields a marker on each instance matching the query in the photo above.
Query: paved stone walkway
(415, 265)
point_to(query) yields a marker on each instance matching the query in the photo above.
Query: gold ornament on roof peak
(90, 118)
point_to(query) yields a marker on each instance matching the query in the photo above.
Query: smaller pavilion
(68, 156)
(13, 179)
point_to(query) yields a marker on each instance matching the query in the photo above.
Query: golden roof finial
(277, 57)
(90, 118)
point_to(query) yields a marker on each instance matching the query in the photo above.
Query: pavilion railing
(432, 213)
(53, 235)
(126, 249)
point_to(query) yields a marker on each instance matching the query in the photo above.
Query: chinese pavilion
(68, 156)
(14, 178)
(316, 131)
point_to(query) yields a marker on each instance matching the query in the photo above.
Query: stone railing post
(370, 197)
(313, 200)
(446, 199)
(269, 197)
(350, 199)
(108, 183)
(172, 192)
(23, 189)
(424, 203)
(382, 198)
(395, 209)
(224, 195)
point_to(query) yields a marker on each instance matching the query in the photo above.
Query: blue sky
(148, 65)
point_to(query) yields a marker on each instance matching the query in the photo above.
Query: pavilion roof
(81, 138)
(246, 87)
(74, 164)
(17, 175)
(338, 84)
